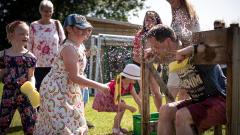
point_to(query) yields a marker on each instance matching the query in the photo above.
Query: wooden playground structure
(225, 49)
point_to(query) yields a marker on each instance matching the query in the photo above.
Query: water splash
(183, 25)
(114, 60)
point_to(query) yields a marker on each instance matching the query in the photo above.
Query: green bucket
(153, 123)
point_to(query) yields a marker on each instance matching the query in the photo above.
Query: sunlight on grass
(102, 121)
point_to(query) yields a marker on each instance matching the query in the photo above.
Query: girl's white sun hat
(131, 71)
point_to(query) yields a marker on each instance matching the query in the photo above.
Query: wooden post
(229, 80)
(163, 87)
(226, 44)
(218, 130)
(224, 47)
(233, 91)
(145, 95)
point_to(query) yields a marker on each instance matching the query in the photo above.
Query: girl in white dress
(62, 109)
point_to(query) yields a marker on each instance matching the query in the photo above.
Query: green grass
(102, 121)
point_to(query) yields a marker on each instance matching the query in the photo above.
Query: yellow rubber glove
(30, 91)
(175, 66)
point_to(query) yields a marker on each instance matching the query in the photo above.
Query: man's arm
(188, 51)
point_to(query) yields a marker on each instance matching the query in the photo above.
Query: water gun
(118, 87)
(176, 66)
(30, 91)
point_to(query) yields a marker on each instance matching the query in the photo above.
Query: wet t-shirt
(202, 81)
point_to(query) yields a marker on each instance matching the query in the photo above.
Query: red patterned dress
(104, 102)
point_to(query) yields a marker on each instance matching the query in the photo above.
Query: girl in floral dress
(62, 109)
(17, 66)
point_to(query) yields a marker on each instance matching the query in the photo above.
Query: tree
(27, 10)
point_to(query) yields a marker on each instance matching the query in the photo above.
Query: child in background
(85, 90)
(151, 19)
(111, 102)
(17, 66)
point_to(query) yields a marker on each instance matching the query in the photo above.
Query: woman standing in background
(184, 23)
(46, 35)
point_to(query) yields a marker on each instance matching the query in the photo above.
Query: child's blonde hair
(10, 28)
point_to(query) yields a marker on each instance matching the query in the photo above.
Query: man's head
(163, 41)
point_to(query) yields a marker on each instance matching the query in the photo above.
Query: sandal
(117, 131)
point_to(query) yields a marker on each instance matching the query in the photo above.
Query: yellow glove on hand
(175, 66)
(30, 91)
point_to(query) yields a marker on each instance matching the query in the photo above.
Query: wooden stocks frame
(223, 48)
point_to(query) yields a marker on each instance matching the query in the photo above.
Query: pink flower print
(8, 59)
(33, 29)
(4, 120)
(26, 110)
(13, 72)
(19, 99)
(45, 49)
(7, 102)
(48, 30)
(41, 42)
(39, 47)
(34, 116)
(30, 130)
(21, 80)
(19, 61)
(40, 28)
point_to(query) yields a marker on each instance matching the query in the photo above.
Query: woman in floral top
(45, 36)
(17, 66)
(62, 109)
(184, 23)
